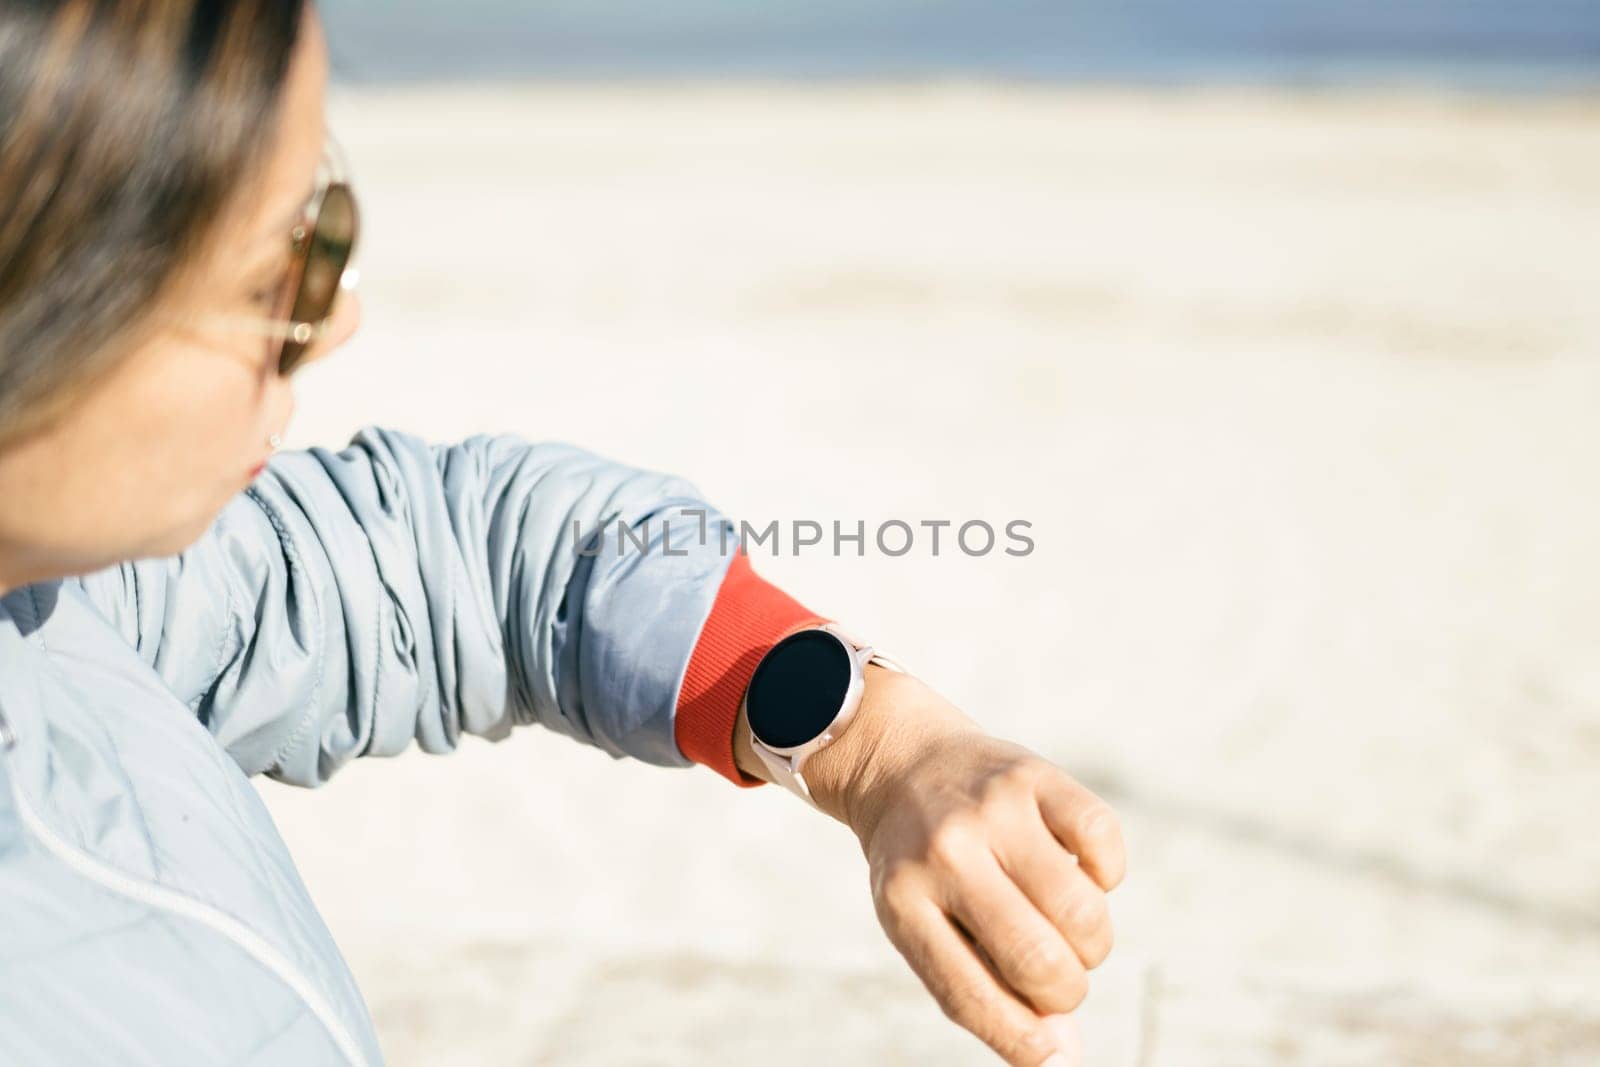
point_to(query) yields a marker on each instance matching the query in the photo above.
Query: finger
(1031, 955)
(1068, 898)
(969, 992)
(1085, 825)
(1068, 1037)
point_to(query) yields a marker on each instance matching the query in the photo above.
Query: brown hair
(126, 128)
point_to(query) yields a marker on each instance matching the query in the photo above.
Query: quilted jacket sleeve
(352, 601)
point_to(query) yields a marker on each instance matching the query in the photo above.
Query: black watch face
(798, 689)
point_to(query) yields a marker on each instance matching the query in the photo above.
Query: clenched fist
(989, 865)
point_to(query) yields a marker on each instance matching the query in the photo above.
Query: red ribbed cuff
(748, 617)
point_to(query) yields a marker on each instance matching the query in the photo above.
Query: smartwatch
(801, 697)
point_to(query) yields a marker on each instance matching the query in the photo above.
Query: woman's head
(154, 157)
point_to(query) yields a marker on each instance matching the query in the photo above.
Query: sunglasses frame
(305, 321)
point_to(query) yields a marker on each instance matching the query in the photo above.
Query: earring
(274, 441)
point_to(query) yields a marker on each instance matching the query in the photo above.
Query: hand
(989, 865)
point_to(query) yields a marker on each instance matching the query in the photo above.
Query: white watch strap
(864, 652)
(874, 656)
(784, 773)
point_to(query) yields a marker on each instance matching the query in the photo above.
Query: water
(1531, 44)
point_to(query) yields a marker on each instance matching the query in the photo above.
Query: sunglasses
(321, 246)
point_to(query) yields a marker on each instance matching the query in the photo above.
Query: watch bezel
(847, 708)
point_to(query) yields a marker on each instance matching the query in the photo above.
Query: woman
(179, 613)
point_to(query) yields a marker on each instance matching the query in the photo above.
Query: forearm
(353, 602)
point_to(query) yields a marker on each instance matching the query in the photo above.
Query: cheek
(210, 408)
(141, 466)
(180, 444)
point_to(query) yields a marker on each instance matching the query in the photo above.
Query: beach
(1297, 393)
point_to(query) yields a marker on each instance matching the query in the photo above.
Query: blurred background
(1280, 322)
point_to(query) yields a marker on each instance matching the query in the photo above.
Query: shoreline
(1581, 93)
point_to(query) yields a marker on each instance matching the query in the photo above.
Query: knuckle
(1017, 776)
(898, 890)
(1088, 923)
(1098, 948)
(1097, 823)
(1087, 914)
(969, 1006)
(1003, 787)
(962, 1004)
(1074, 988)
(951, 842)
(1039, 962)
(1029, 1047)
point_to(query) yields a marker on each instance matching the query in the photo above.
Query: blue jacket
(346, 604)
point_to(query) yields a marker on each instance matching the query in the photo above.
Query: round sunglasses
(321, 247)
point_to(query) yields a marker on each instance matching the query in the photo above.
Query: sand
(1298, 393)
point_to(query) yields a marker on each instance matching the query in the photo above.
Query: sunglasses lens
(331, 244)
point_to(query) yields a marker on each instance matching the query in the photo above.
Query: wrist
(897, 716)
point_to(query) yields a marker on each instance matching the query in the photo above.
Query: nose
(342, 325)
